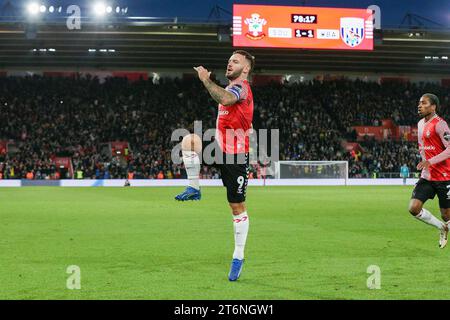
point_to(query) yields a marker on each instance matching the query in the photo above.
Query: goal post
(312, 170)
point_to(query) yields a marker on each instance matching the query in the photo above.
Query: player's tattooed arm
(219, 94)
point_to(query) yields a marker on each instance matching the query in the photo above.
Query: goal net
(336, 170)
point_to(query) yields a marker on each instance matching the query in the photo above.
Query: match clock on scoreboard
(303, 18)
(302, 27)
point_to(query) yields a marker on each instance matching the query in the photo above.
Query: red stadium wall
(388, 130)
(369, 131)
(408, 133)
(119, 148)
(329, 77)
(394, 80)
(353, 146)
(64, 162)
(60, 74)
(131, 76)
(261, 80)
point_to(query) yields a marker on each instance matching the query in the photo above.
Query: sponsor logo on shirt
(429, 148)
(223, 112)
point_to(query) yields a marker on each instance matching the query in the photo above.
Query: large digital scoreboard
(302, 27)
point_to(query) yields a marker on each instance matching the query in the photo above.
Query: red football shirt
(234, 122)
(434, 146)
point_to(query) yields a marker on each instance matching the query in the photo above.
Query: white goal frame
(314, 163)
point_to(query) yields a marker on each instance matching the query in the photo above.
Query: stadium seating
(44, 118)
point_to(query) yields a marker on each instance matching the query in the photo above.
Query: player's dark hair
(247, 56)
(433, 99)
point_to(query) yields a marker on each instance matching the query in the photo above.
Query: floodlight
(99, 9)
(33, 8)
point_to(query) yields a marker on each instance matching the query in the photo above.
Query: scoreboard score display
(302, 27)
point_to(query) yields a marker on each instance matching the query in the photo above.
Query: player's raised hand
(203, 73)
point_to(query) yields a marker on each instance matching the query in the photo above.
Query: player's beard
(234, 75)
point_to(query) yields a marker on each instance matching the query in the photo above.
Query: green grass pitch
(139, 243)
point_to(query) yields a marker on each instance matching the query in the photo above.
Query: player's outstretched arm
(219, 94)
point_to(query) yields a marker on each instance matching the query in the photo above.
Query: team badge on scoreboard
(352, 31)
(255, 27)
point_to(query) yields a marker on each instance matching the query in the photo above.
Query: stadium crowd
(47, 117)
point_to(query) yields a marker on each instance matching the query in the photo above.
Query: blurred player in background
(434, 147)
(404, 173)
(235, 115)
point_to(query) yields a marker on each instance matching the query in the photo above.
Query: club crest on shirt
(428, 133)
(447, 136)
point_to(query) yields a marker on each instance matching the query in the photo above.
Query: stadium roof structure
(179, 46)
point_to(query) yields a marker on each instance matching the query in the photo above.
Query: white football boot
(443, 237)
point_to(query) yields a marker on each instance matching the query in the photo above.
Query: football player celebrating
(234, 122)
